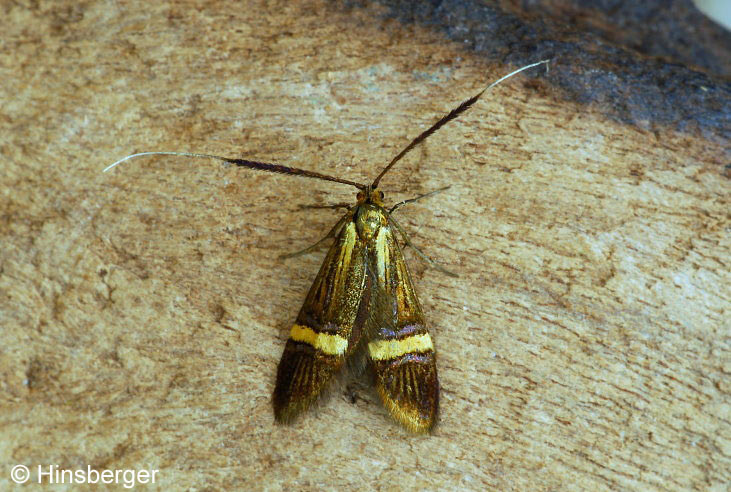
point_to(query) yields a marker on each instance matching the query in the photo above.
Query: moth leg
(425, 195)
(333, 205)
(333, 232)
(418, 251)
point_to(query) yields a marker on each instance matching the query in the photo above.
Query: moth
(362, 309)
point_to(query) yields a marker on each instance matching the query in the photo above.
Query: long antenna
(262, 166)
(447, 118)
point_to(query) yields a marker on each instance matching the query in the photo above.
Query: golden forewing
(401, 352)
(324, 332)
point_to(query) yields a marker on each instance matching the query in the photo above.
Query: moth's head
(370, 195)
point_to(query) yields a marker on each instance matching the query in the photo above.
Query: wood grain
(585, 344)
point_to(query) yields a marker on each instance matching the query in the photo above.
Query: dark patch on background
(657, 63)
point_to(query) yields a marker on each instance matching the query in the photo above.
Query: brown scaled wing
(327, 327)
(400, 349)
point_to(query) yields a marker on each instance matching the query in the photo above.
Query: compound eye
(360, 196)
(380, 195)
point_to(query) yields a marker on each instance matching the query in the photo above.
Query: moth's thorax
(369, 219)
(369, 214)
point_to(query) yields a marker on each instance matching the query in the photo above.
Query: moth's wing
(327, 327)
(400, 350)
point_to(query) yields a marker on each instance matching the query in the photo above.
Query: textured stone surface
(585, 344)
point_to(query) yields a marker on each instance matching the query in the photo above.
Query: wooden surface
(584, 346)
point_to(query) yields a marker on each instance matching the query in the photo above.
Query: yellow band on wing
(390, 349)
(330, 344)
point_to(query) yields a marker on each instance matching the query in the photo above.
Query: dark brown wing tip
(410, 393)
(288, 407)
(417, 419)
(302, 378)
(286, 410)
